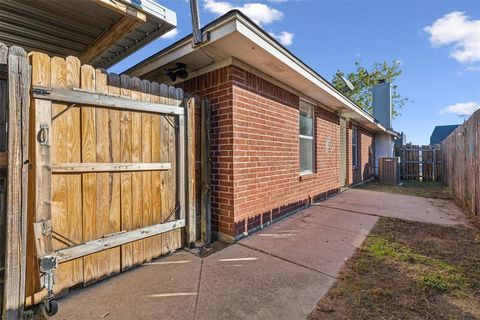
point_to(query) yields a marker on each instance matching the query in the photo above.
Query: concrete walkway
(278, 273)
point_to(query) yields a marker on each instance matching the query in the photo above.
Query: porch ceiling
(99, 32)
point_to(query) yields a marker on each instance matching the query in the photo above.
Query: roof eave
(243, 21)
(155, 10)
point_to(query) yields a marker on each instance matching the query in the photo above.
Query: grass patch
(437, 282)
(409, 270)
(428, 189)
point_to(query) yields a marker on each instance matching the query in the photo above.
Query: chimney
(382, 103)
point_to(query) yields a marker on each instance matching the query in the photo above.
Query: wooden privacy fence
(97, 174)
(100, 174)
(461, 154)
(420, 163)
(113, 173)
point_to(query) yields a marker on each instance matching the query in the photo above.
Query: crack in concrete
(352, 211)
(197, 300)
(326, 226)
(287, 260)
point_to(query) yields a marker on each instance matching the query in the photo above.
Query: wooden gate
(112, 184)
(420, 163)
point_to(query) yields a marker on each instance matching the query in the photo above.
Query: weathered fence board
(4, 162)
(18, 86)
(205, 182)
(461, 163)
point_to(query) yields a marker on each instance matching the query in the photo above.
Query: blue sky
(438, 43)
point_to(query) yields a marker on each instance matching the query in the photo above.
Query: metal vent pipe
(196, 30)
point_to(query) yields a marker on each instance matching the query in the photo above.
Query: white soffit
(236, 37)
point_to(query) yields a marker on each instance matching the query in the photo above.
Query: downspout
(198, 37)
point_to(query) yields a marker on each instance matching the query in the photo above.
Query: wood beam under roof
(122, 8)
(107, 38)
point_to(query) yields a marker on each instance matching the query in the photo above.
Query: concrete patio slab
(317, 238)
(330, 218)
(399, 206)
(240, 283)
(166, 288)
(277, 273)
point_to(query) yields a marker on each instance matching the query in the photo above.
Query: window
(354, 146)
(306, 137)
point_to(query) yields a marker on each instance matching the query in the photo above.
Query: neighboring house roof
(99, 32)
(235, 39)
(441, 132)
(402, 139)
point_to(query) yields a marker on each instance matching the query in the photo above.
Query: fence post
(180, 157)
(16, 222)
(190, 162)
(205, 173)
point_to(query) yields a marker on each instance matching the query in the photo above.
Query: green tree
(363, 81)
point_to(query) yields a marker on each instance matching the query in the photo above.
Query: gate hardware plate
(46, 227)
(41, 91)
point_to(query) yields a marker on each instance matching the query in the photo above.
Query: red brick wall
(364, 156)
(367, 153)
(266, 158)
(255, 150)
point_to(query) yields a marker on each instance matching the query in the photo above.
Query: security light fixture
(180, 72)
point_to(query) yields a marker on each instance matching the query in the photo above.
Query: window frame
(304, 104)
(354, 146)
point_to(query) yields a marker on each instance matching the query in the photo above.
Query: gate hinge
(40, 91)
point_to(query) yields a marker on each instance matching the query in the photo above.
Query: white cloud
(284, 37)
(260, 13)
(217, 7)
(461, 108)
(472, 69)
(170, 34)
(459, 30)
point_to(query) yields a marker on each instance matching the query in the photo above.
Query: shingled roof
(441, 132)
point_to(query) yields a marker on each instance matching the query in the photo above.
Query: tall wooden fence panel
(88, 202)
(461, 163)
(421, 163)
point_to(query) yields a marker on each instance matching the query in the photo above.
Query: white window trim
(306, 137)
(312, 106)
(355, 155)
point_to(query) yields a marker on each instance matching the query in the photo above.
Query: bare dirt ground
(409, 270)
(439, 195)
